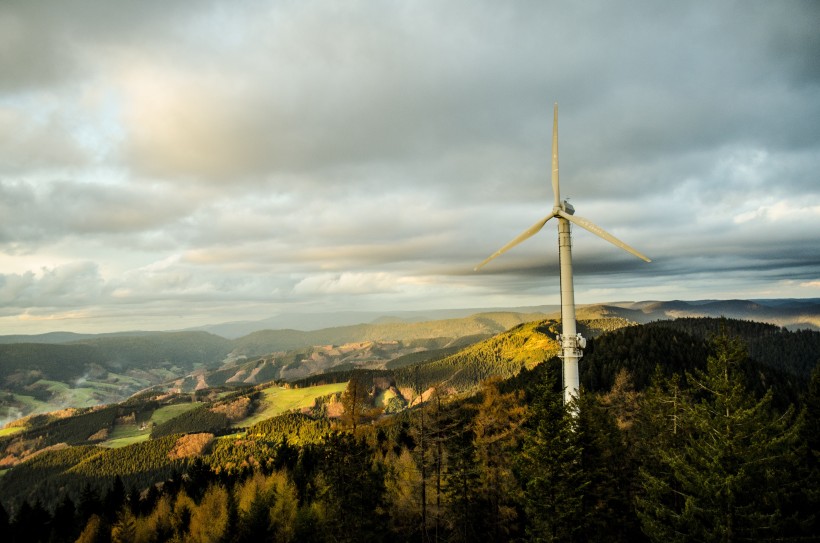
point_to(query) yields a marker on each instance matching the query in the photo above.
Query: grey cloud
(45, 43)
(302, 152)
(45, 212)
(72, 285)
(29, 143)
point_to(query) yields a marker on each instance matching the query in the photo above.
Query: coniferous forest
(687, 430)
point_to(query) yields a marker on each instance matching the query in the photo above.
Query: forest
(687, 430)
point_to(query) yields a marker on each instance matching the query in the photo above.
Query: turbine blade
(601, 233)
(526, 234)
(556, 191)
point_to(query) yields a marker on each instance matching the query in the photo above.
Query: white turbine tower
(572, 343)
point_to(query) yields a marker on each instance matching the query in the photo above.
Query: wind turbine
(572, 343)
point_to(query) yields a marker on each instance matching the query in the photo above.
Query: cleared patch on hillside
(277, 400)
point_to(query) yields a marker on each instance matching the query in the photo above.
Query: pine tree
(96, 530)
(606, 504)
(353, 489)
(496, 429)
(550, 467)
(113, 500)
(460, 485)
(64, 525)
(4, 520)
(125, 529)
(88, 503)
(733, 468)
(402, 484)
(31, 523)
(356, 402)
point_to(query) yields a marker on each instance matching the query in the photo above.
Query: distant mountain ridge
(787, 313)
(792, 313)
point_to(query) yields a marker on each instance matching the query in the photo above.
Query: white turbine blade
(528, 233)
(601, 233)
(556, 191)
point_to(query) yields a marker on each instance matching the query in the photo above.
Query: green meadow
(128, 434)
(277, 400)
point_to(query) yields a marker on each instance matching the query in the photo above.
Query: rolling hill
(50, 371)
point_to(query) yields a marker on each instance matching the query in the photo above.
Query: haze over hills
(786, 312)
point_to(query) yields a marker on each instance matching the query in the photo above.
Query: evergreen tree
(734, 467)
(31, 523)
(88, 503)
(356, 402)
(353, 493)
(402, 484)
(4, 520)
(461, 481)
(607, 514)
(810, 432)
(96, 530)
(496, 429)
(550, 467)
(112, 502)
(125, 529)
(64, 524)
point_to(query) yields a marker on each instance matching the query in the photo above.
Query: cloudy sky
(170, 164)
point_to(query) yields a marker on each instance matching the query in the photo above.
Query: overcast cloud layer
(170, 164)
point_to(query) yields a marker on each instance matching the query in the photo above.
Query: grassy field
(277, 400)
(66, 395)
(164, 414)
(128, 434)
(10, 431)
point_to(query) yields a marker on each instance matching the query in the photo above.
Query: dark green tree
(607, 513)
(460, 486)
(88, 503)
(496, 434)
(353, 489)
(549, 466)
(734, 467)
(64, 525)
(113, 500)
(4, 520)
(31, 523)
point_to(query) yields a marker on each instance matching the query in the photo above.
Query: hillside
(41, 377)
(478, 428)
(49, 371)
(241, 394)
(92, 370)
(267, 341)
